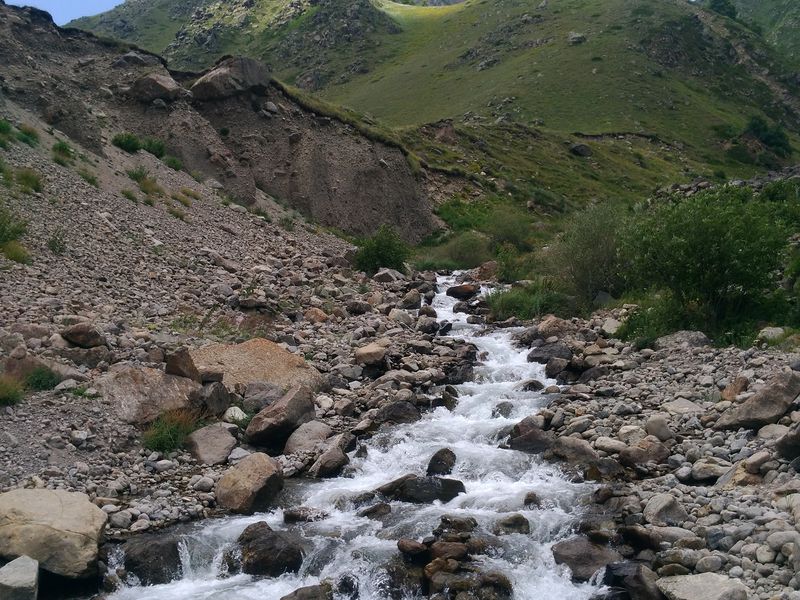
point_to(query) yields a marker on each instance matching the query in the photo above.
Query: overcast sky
(64, 11)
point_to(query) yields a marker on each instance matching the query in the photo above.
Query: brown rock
(84, 335)
(230, 77)
(180, 363)
(211, 445)
(273, 426)
(315, 315)
(766, 406)
(156, 86)
(250, 485)
(583, 557)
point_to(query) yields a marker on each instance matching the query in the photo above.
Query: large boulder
(371, 354)
(583, 557)
(23, 366)
(324, 591)
(256, 360)
(212, 444)
(231, 77)
(528, 436)
(307, 437)
(140, 394)
(706, 586)
(268, 552)
(250, 485)
(664, 509)
(84, 335)
(766, 406)
(273, 426)
(330, 463)
(156, 86)
(442, 462)
(683, 339)
(59, 529)
(542, 354)
(154, 559)
(19, 579)
(420, 490)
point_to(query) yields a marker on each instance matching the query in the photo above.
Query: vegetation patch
(29, 180)
(528, 302)
(42, 379)
(385, 249)
(173, 162)
(62, 153)
(127, 142)
(169, 431)
(11, 391)
(27, 134)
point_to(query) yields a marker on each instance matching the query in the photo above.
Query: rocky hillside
(231, 124)
(778, 20)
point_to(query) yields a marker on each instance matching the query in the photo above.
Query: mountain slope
(649, 85)
(780, 22)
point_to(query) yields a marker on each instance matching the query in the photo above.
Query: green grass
(29, 181)
(129, 195)
(527, 302)
(89, 177)
(42, 379)
(177, 213)
(184, 200)
(11, 391)
(62, 153)
(15, 252)
(127, 142)
(57, 243)
(173, 163)
(169, 431)
(27, 134)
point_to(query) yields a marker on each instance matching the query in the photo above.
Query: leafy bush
(154, 147)
(10, 391)
(127, 142)
(723, 7)
(29, 180)
(42, 378)
(772, 136)
(527, 302)
(507, 225)
(585, 259)
(138, 174)
(57, 242)
(384, 249)
(718, 251)
(5, 127)
(169, 431)
(173, 163)
(465, 250)
(62, 153)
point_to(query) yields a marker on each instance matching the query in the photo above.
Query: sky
(64, 11)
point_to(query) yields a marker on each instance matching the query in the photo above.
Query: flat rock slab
(256, 360)
(682, 406)
(19, 579)
(212, 444)
(59, 529)
(706, 586)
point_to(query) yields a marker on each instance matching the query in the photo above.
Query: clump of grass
(57, 242)
(127, 142)
(384, 249)
(154, 146)
(129, 194)
(6, 174)
(169, 431)
(5, 127)
(177, 213)
(89, 178)
(11, 227)
(173, 162)
(138, 174)
(148, 185)
(287, 222)
(10, 391)
(29, 180)
(177, 196)
(149, 201)
(62, 153)
(16, 252)
(190, 193)
(27, 134)
(41, 379)
(527, 302)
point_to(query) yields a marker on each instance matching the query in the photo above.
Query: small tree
(384, 249)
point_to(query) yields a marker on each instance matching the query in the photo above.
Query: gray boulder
(705, 586)
(19, 579)
(766, 406)
(583, 557)
(212, 444)
(273, 426)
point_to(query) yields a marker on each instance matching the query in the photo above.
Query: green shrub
(127, 142)
(62, 153)
(10, 391)
(718, 250)
(154, 147)
(287, 222)
(527, 302)
(585, 259)
(41, 379)
(129, 194)
(384, 249)
(177, 213)
(11, 227)
(507, 225)
(29, 180)
(89, 178)
(5, 127)
(169, 431)
(138, 174)
(57, 242)
(772, 136)
(173, 163)
(723, 7)
(15, 252)
(27, 134)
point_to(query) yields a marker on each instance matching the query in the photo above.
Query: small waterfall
(496, 480)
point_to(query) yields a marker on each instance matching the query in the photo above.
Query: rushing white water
(496, 482)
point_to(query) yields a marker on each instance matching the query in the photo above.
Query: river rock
(663, 510)
(788, 445)
(542, 354)
(705, 586)
(307, 437)
(371, 354)
(324, 591)
(420, 490)
(636, 579)
(19, 579)
(212, 444)
(154, 559)
(465, 291)
(250, 485)
(141, 394)
(765, 406)
(442, 462)
(273, 426)
(268, 552)
(583, 557)
(330, 463)
(256, 360)
(59, 529)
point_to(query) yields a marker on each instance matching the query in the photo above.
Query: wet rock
(421, 490)
(464, 291)
(705, 586)
(59, 529)
(250, 485)
(324, 591)
(765, 406)
(273, 426)
(398, 412)
(637, 580)
(584, 558)
(212, 444)
(154, 559)
(442, 462)
(514, 523)
(329, 464)
(268, 552)
(542, 354)
(19, 579)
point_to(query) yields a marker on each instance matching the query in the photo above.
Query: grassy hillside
(779, 20)
(500, 90)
